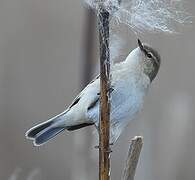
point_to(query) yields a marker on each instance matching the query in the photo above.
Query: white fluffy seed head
(146, 15)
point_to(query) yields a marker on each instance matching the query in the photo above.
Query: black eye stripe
(154, 54)
(145, 52)
(149, 55)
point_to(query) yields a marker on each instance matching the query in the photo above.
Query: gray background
(41, 66)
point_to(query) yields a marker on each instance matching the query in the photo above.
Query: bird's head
(149, 58)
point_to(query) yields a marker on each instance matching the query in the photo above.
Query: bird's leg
(111, 89)
(109, 151)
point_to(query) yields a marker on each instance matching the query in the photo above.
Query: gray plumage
(130, 81)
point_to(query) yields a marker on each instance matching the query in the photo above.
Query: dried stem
(133, 157)
(104, 127)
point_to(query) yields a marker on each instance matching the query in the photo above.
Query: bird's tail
(43, 132)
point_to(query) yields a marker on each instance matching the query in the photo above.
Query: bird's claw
(111, 89)
(96, 147)
(108, 151)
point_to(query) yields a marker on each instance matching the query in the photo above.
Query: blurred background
(48, 52)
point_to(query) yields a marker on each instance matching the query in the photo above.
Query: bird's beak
(140, 45)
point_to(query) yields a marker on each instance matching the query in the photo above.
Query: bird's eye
(149, 55)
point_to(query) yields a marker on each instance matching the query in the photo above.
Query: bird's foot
(111, 89)
(108, 151)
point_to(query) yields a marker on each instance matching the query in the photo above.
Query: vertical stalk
(133, 157)
(104, 124)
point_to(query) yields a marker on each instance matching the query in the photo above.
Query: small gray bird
(130, 82)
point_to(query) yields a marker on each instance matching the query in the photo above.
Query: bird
(130, 81)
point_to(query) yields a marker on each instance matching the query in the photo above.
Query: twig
(133, 157)
(104, 129)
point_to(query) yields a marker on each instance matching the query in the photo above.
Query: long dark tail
(43, 132)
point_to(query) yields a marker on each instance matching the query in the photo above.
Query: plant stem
(133, 157)
(104, 124)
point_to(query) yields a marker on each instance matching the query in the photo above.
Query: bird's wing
(84, 93)
(90, 94)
